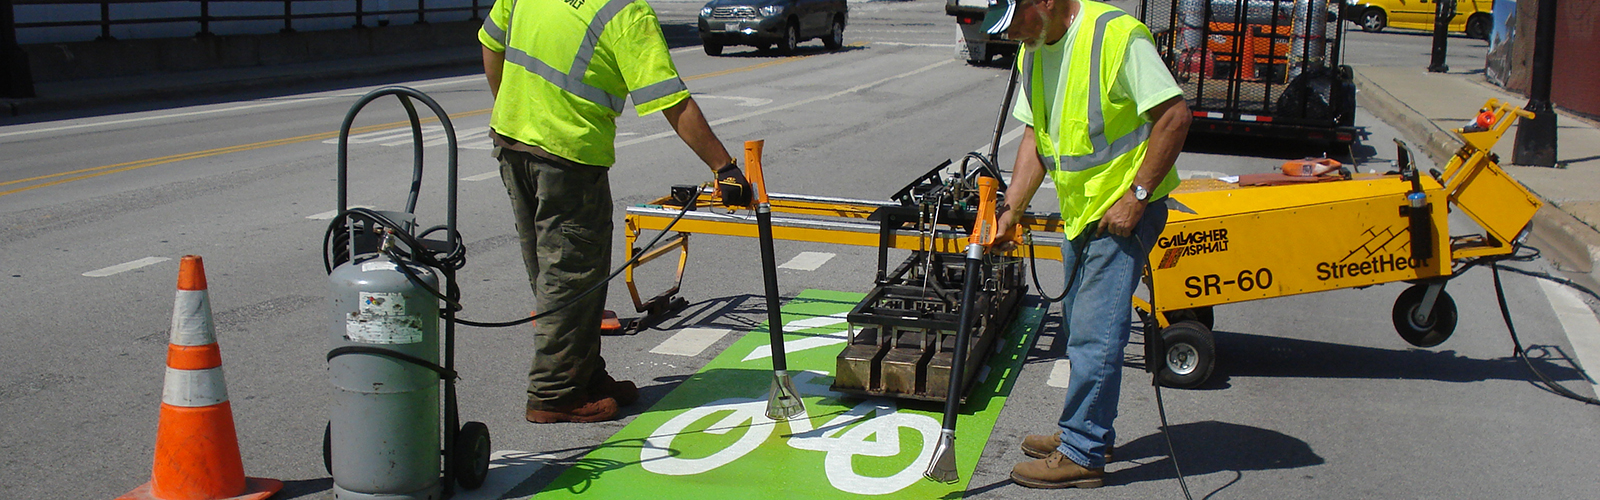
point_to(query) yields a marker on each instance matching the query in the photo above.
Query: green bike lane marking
(710, 438)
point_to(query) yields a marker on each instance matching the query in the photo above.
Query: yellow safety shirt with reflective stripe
(569, 65)
(1093, 144)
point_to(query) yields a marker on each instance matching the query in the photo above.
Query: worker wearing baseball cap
(1105, 121)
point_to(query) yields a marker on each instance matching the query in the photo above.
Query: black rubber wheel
(835, 39)
(327, 448)
(472, 455)
(1374, 20)
(791, 39)
(1191, 354)
(1478, 26)
(712, 48)
(1440, 325)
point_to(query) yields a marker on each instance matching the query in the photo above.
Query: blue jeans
(1098, 320)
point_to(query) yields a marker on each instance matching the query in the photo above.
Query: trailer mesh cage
(1267, 61)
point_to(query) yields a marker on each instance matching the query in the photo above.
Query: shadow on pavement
(1210, 447)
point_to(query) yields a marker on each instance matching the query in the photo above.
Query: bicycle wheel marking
(710, 437)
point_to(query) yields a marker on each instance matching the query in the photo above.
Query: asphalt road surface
(1314, 396)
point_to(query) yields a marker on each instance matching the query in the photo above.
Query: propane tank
(1308, 47)
(384, 423)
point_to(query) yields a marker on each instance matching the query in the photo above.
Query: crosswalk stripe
(1060, 374)
(507, 469)
(807, 261)
(125, 267)
(690, 341)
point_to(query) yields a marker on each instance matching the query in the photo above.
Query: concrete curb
(1566, 240)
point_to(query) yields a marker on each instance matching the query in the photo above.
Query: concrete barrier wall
(101, 59)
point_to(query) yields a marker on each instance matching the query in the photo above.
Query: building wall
(1576, 81)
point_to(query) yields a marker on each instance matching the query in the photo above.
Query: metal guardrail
(205, 19)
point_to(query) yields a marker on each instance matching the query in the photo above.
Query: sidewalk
(1426, 107)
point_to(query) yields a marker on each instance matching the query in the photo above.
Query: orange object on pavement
(1310, 167)
(197, 448)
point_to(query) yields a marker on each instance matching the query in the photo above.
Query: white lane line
(690, 341)
(908, 44)
(329, 214)
(1583, 330)
(483, 176)
(752, 114)
(125, 267)
(1004, 140)
(1060, 374)
(839, 337)
(507, 469)
(164, 117)
(807, 261)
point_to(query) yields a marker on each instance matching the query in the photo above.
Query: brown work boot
(1038, 446)
(1056, 471)
(594, 408)
(624, 391)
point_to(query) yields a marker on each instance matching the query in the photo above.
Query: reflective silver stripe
(494, 31)
(566, 82)
(1103, 153)
(591, 37)
(658, 90)
(194, 388)
(1099, 157)
(191, 320)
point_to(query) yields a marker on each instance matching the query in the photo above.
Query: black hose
(455, 258)
(1155, 375)
(1518, 351)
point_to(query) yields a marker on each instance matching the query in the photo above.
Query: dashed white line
(807, 261)
(839, 337)
(690, 341)
(125, 267)
(1583, 330)
(483, 176)
(507, 469)
(1060, 374)
(329, 214)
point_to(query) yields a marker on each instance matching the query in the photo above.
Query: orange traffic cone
(197, 450)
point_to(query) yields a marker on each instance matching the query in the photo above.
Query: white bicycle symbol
(871, 428)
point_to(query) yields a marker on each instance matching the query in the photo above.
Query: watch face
(1139, 193)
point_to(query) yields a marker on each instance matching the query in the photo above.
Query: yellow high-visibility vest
(1098, 142)
(569, 65)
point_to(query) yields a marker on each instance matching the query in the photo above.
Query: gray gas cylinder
(384, 421)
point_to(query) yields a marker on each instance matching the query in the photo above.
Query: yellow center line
(62, 178)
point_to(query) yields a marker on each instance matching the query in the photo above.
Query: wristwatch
(1140, 193)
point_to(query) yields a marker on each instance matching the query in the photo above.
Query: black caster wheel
(472, 455)
(1439, 326)
(1190, 355)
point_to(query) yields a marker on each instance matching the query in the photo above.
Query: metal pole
(105, 22)
(1536, 137)
(205, 19)
(288, 17)
(1443, 11)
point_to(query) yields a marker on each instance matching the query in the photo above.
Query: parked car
(767, 23)
(1473, 17)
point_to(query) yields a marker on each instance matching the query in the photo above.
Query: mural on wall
(1498, 66)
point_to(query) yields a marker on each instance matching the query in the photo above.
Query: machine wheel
(327, 448)
(835, 39)
(1374, 20)
(712, 48)
(791, 39)
(472, 455)
(1191, 353)
(1441, 324)
(1478, 26)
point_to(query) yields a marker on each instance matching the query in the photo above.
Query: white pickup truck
(972, 44)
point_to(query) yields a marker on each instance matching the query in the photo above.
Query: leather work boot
(594, 408)
(1056, 471)
(1038, 446)
(624, 391)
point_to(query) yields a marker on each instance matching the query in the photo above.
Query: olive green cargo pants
(563, 213)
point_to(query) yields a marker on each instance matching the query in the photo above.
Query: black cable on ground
(1155, 375)
(1505, 312)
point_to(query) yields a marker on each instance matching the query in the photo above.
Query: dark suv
(765, 23)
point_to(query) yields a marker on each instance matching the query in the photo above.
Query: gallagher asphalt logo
(1192, 243)
(1373, 257)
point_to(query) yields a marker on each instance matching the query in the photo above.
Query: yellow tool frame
(1224, 244)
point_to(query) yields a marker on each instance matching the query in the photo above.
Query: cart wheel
(1205, 315)
(1191, 354)
(327, 448)
(1439, 327)
(472, 455)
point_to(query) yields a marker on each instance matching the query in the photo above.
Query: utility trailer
(1259, 68)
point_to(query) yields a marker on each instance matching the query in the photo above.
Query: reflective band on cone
(197, 448)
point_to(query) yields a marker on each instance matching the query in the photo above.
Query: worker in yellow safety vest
(559, 71)
(1105, 121)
